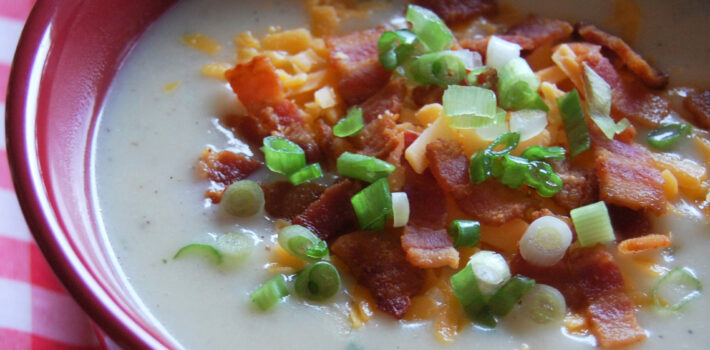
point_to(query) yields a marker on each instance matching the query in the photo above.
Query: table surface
(36, 312)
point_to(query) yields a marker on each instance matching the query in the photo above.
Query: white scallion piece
(593, 224)
(400, 208)
(545, 241)
(528, 123)
(235, 248)
(499, 52)
(544, 304)
(491, 271)
(471, 60)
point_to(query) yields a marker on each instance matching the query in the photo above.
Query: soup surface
(150, 136)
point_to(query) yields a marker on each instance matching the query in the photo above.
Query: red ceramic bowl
(67, 57)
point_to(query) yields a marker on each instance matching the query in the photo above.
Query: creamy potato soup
(164, 109)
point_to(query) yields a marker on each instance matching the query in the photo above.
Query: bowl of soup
(128, 124)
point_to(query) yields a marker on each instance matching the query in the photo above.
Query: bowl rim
(20, 118)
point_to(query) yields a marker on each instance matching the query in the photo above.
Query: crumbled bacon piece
(698, 104)
(223, 168)
(256, 83)
(427, 202)
(377, 261)
(459, 11)
(387, 99)
(284, 200)
(629, 223)
(580, 185)
(632, 60)
(541, 30)
(628, 176)
(379, 138)
(332, 214)
(427, 94)
(355, 58)
(429, 248)
(490, 202)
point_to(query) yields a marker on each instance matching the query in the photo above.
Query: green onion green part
(351, 124)
(599, 103)
(465, 287)
(517, 86)
(431, 30)
(675, 289)
(205, 251)
(305, 174)
(592, 224)
(373, 205)
(508, 141)
(543, 179)
(486, 318)
(542, 153)
(440, 68)
(270, 293)
(302, 243)
(666, 136)
(395, 47)
(465, 233)
(503, 301)
(318, 281)
(361, 167)
(574, 123)
(544, 304)
(282, 155)
(243, 198)
(470, 106)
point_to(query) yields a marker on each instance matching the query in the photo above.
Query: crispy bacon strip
(580, 185)
(332, 214)
(354, 57)
(541, 30)
(491, 202)
(455, 12)
(427, 202)
(284, 200)
(427, 94)
(650, 76)
(223, 168)
(428, 248)
(389, 98)
(379, 138)
(628, 176)
(377, 261)
(698, 103)
(629, 223)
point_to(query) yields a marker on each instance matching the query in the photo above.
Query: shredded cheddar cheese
(202, 43)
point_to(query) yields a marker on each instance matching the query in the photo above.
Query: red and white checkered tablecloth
(35, 310)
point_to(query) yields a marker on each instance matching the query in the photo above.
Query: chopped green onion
(491, 271)
(469, 106)
(400, 209)
(675, 289)
(373, 205)
(509, 141)
(302, 243)
(499, 52)
(395, 48)
(235, 247)
(543, 179)
(318, 281)
(305, 174)
(513, 171)
(270, 293)
(592, 224)
(480, 167)
(545, 241)
(473, 77)
(441, 68)
(541, 153)
(351, 124)
(431, 30)
(574, 122)
(544, 304)
(243, 198)
(205, 251)
(363, 167)
(666, 136)
(465, 233)
(485, 318)
(517, 86)
(492, 131)
(599, 103)
(282, 155)
(465, 287)
(509, 295)
(528, 122)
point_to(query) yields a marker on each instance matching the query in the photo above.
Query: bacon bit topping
(223, 168)
(427, 94)
(284, 200)
(643, 243)
(389, 98)
(459, 11)
(698, 104)
(490, 202)
(354, 57)
(613, 321)
(378, 263)
(629, 223)
(332, 214)
(428, 248)
(379, 138)
(580, 185)
(541, 30)
(628, 176)
(633, 61)
(427, 202)
(256, 83)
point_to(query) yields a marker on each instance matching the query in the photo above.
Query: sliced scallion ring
(593, 224)
(235, 247)
(675, 289)
(302, 243)
(363, 167)
(542, 153)
(351, 124)
(545, 241)
(465, 233)
(574, 122)
(243, 198)
(470, 106)
(666, 136)
(544, 304)
(373, 205)
(465, 287)
(509, 295)
(283, 156)
(400, 209)
(491, 271)
(205, 251)
(270, 293)
(305, 174)
(431, 30)
(318, 281)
